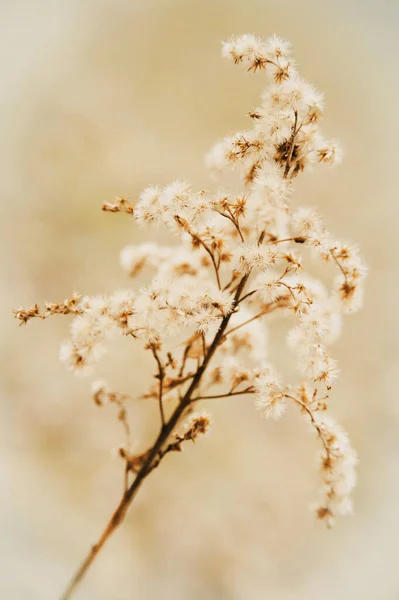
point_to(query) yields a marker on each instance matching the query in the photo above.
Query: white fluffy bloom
(243, 46)
(249, 258)
(175, 196)
(210, 308)
(149, 209)
(269, 286)
(270, 179)
(312, 322)
(328, 152)
(318, 365)
(216, 157)
(94, 305)
(121, 303)
(305, 221)
(82, 355)
(270, 394)
(180, 262)
(251, 339)
(134, 259)
(235, 372)
(271, 55)
(277, 125)
(199, 424)
(277, 47)
(293, 93)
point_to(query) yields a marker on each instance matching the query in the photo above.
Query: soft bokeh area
(101, 98)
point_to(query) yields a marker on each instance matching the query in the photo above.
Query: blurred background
(101, 98)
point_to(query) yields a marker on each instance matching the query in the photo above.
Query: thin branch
(151, 458)
(289, 288)
(247, 295)
(203, 344)
(300, 239)
(248, 390)
(232, 280)
(178, 381)
(233, 220)
(261, 237)
(161, 376)
(119, 205)
(185, 356)
(123, 418)
(282, 303)
(236, 225)
(339, 265)
(307, 409)
(68, 307)
(210, 253)
(185, 226)
(292, 144)
(329, 455)
(215, 266)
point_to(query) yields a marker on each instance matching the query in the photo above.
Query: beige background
(102, 98)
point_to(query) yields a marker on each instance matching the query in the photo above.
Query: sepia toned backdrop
(101, 98)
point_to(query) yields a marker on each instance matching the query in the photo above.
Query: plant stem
(281, 303)
(148, 465)
(161, 376)
(248, 390)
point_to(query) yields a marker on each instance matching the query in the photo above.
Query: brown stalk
(248, 390)
(160, 377)
(201, 242)
(282, 303)
(153, 454)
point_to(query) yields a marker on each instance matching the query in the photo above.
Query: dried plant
(237, 261)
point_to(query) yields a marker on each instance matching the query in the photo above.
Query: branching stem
(248, 390)
(161, 377)
(153, 454)
(282, 303)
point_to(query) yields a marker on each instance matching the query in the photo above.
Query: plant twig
(148, 465)
(161, 376)
(248, 390)
(282, 303)
(201, 242)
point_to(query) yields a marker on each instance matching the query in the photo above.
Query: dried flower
(236, 260)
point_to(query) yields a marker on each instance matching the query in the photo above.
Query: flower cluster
(286, 122)
(239, 256)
